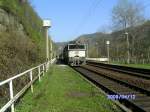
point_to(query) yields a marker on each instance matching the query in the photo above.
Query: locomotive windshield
(75, 46)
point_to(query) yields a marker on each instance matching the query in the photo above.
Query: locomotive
(75, 54)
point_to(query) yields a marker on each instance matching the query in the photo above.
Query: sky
(72, 18)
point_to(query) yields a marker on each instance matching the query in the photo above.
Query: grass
(146, 66)
(63, 90)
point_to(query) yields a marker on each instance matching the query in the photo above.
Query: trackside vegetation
(63, 90)
(145, 66)
(22, 42)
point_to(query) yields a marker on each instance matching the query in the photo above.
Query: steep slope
(22, 42)
(21, 37)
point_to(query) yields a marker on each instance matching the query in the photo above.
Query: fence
(41, 70)
(97, 59)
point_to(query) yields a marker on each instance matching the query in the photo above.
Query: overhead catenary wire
(86, 17)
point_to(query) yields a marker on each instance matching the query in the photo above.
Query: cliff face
(22, 44)
(9, 23)
(17, 51)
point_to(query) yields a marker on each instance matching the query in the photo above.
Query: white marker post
(128, 46)
(47, 25)
(108, 43)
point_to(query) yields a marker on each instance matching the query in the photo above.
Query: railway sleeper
(135, 107)
(132, 86)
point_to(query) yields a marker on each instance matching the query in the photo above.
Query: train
(75, 54)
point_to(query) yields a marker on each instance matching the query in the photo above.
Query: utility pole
(87, 50)
(97, 48)
(128, 46)
(47, 25)
(117, 54)
(51, 51)
(108, 43)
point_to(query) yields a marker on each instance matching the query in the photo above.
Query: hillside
(22, 42)
(21, 38)
(139, 44)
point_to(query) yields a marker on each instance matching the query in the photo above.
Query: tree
(127, 14)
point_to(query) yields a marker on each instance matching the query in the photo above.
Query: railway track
(139, 72)
(134, 88)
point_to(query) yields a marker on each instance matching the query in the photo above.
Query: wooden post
(11, 95)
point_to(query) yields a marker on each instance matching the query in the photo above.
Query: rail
(139, 72)
(112, 85)
(42, 68)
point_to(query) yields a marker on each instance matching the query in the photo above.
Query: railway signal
(108, 43)
(128, 52)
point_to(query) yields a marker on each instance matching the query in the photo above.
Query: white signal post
(47, 25)
(128, 46)
(108, 43)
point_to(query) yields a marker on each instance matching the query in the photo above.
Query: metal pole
(128, 49)
(51, 51)
(46, 25)
(43, 69)
(128, 52)
(47, 46)
(108, 53)
(108, 43)
(31, 78)
(11, 95)
(47, 49)
(117, 54)
(39, 73)
(87, 50)
(97, 49)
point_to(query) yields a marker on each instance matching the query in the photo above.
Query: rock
(8, 22)
(2, 28)
(4, 19)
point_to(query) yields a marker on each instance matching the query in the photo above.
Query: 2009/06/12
(119, 97)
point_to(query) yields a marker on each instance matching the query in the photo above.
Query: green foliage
(32, 26)
(138, 39)
(127, 13)
(71, 94)
(27, 16)
(22, 43)
(20, 49)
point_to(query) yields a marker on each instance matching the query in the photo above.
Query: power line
(89, 13)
